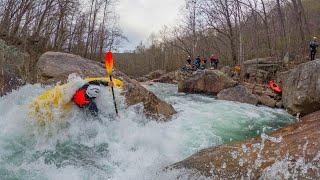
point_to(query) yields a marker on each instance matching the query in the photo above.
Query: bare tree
(60, 25)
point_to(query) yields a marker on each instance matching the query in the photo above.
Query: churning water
(128, 147)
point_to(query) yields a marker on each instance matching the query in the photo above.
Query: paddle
(109, 68)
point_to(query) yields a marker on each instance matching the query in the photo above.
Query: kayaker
(85, 96)
(313, 48)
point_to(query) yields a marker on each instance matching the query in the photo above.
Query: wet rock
(153, 106)
(55, 66)
(287, 153)
(267, 101)
(206, 81)
(239, 94)
(301, 88)
(14, 68)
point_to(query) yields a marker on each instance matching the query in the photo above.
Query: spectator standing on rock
(313, 48)
(204, 63)
(189, 60)
(197, 62)
(214, 61)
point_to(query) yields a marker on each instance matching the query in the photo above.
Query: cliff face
(290, 152)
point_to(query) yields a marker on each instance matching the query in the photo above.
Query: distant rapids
(128, 147)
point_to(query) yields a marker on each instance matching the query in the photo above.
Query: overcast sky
(140, 18)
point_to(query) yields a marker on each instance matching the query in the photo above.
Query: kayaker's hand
(111, 84)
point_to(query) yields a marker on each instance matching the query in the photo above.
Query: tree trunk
(231, 34)
(303, 14)
(89, 29)
(282, 26)
(266, 23)
(298, 14)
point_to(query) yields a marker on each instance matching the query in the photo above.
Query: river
(126, 147)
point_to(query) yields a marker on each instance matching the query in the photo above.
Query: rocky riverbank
(288, 153)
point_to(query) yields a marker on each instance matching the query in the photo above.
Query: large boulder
(239, 94)
(56, 66)
(14, 68)
(207, 81)
(301, 88)
(289, 153)
(153, 106)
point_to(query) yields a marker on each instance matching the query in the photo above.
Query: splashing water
(126, 147)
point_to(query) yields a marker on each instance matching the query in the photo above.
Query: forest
(84, 28)
(235, 30)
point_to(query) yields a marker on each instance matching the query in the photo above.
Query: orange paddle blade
(109, 62)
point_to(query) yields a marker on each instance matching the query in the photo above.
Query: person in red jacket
(85, 96)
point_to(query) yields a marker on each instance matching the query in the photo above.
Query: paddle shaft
(114, 98)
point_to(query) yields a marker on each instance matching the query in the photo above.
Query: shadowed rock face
(239, 94)
(14, 68)
(301, 88)
(151, 76)
(260, 70)
(268, 101)
(155, 74)
(169, 78)
(159, 76)
(290, 152)
(55, 66)
(207, 82)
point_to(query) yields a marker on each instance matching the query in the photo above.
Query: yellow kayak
(117, 83)
(55, 104)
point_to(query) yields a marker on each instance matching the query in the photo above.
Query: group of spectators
(202, 62)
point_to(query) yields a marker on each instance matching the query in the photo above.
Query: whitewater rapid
(128, 147)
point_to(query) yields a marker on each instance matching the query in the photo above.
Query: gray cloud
(140, 18)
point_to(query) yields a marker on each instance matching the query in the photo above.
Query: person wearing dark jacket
(197, 62)
(85, 96)
(313, 48)
(189, 60)
(214, 61)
